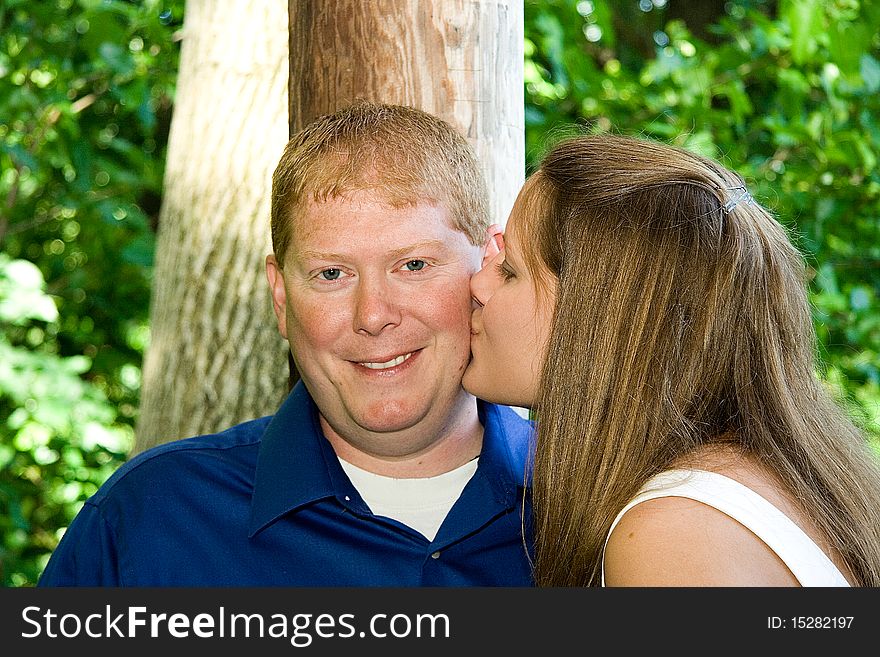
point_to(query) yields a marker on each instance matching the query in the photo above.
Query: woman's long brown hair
(682, 318)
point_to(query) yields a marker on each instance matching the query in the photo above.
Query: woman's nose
(484, 282)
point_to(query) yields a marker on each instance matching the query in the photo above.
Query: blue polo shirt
(266, 503)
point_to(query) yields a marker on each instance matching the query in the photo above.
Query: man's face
(375, 303)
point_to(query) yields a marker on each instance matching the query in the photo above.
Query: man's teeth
(391, 363)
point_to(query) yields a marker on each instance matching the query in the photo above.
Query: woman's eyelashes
(504, 270)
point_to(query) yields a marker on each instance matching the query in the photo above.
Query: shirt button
(435, 555)
(347, 498)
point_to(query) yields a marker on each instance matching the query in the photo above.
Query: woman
(655, 319)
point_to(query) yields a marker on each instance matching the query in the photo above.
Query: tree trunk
(461, 60)
(215, 357)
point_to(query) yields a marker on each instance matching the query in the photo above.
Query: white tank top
(807, 562)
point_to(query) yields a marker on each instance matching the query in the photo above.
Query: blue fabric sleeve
(86, 554)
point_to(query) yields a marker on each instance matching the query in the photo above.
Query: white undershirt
(418, 503)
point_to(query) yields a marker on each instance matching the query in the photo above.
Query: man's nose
(376, 306)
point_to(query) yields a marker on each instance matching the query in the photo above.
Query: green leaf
(869, 68)
(860, 298)
(21, 293)
(847, 41)
(804, 20)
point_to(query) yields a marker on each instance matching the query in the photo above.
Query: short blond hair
(403, 154)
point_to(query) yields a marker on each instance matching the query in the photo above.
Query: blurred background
(785, 92)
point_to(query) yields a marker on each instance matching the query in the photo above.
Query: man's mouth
(394, 362)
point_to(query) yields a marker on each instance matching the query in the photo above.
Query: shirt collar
(498, 485)
(506, 440)
(297, 464)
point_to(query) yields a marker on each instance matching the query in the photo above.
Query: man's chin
(391, 417)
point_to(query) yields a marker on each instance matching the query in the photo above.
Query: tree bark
(461, 60)
(215, 357)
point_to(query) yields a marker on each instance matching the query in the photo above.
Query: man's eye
(415, 265)
(330, 274)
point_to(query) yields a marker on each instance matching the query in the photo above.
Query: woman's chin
(476, 384)
(491, 388)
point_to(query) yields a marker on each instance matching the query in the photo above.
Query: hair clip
(743, 195)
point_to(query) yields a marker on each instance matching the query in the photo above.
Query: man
(378, 469)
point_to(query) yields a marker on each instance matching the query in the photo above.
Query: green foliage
(785, 92)
(789, 100)
(86, 90)
(60, 437)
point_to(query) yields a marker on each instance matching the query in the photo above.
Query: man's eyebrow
(394, 253)
(317, 255)
(418, 246)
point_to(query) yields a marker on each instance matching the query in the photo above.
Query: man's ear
(494, 243)
(278, 291)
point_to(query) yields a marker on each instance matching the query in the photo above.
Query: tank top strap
(807, 562)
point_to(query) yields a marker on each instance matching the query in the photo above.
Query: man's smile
(384, 365)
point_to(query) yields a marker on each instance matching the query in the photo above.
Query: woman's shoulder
(678, 541)
(702, 527)
(682, 537)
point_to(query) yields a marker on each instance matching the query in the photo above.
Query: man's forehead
(365, 227)
(370, 213)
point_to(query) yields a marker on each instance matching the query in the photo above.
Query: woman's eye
(415, 265)
(504, 271)
(330, 274)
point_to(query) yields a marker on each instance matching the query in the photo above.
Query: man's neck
(457, 442)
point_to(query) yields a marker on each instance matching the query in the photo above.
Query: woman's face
(510, 327)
